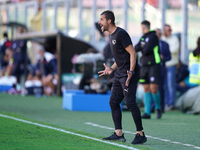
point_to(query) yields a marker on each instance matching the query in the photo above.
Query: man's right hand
(107, 71)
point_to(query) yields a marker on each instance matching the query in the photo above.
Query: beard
(104, 28)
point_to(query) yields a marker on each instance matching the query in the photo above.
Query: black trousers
(120, 92)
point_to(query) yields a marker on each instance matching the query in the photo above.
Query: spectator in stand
(181, 75)
(51, 80)
(41, 67)
(165, 56)
(6, 78)
(85, 81)
(196, 52)
(20, 56)
(5, 43)
(194, 65)
(170, 81)
(37, 77)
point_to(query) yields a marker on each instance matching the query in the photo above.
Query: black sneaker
(139, 139)
(145, 116)
(115, 137)
(158, 113)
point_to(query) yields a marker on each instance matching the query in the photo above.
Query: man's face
(167, 31)
(20, 30)
(143, 29)
(8, 55)
(41, 53)
(104, 23)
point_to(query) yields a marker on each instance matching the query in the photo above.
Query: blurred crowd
(40, 78)
(176, 77)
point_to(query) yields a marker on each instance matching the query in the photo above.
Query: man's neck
(146, 31)
(112, 29)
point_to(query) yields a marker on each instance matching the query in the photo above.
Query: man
(9, 60)
(165, 56)
(51, 80)
(125, 80)
(194, 65)
(170, 81)
(150, 70)
(6, 78)
(20, 56)
(5, 43)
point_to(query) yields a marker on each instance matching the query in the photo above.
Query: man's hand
(130, 74)
(107, 71)
(182, 84)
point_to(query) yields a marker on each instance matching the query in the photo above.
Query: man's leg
(166, 91)
(155, 95)
(130, 100)
(171, 85)
(144, 80)
(115, 100)
(154, 77)
(147, 100)
(161, 90)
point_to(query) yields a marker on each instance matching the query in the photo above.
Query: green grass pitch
(174, 131)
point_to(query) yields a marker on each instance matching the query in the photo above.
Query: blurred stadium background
(76, 17)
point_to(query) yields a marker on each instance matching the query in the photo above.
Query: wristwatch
(132, 72)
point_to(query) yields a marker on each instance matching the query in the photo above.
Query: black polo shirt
(119, 40)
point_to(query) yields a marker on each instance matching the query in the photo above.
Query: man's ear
(109, 21)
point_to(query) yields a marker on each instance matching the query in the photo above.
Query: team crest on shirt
(152, 79)
(113, 42)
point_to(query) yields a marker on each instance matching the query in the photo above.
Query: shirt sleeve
(124, 39)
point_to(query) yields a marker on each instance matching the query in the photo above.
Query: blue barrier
(5, 88)
(76, 100)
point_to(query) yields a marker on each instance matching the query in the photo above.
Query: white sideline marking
(68, 132)
(156, 138)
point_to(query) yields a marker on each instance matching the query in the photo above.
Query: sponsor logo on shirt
(147, 39)
(113, 42)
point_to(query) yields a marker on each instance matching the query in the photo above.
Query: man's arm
(138, 47)
(114, 66)
(133, 56)
(166, 53)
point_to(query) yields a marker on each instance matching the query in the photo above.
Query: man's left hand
(130, 74)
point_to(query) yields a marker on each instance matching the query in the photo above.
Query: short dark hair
(167, 25)
(109, 15)
(5, 34)
(146, 23)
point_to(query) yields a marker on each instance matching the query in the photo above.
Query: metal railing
(67, 6)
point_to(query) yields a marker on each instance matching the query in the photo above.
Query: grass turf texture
(18, 135)
(174, 126)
